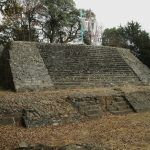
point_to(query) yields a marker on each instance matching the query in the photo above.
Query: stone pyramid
(29, 66)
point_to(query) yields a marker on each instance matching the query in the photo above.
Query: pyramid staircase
(120, 105)
(86, 105)
(89, 108)
(86, 66)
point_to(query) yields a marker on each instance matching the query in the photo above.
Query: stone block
(66, 147)
(7, 121)
(119, 105)
(86, 104)
(140, 101)
(28, 69)
(34, 118)
(39, 66)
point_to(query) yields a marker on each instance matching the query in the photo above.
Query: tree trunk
(52, 36)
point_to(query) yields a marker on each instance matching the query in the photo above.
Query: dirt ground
(118, 132)
(127, 132)
(53, 102)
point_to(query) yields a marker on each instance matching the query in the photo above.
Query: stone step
(97, 61)
(73, 66)
(94, 82)
(96, 79)
(92, 75)
(89, 67)
(89, 107)
(90, 61)
(122, 107)
(7, 120)
(87, 102)
(122, 112)
(94, 63)
(117, 106)
(85, 85)
(122, 104)
(57, 86)
(97, 58)
(89, 72)
(91, 79)
(93, 113)
(120, 100)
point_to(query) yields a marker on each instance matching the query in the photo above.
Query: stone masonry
(1, 64)
(86, 66)
(138, 67)
(36, 66)
(6, 80)
(27, 66)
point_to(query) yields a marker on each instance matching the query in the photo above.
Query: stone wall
(142, 71)
(1, 65)
(86, 66)
(27, 67)
(1, 50)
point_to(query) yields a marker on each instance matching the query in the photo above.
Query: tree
(113, 37)
(137, 40)
(62, 21)
(4, 38)
(144, 48)
(10, 9)
(19, 20)
(32, 9)
(87, 38)
(130, 36)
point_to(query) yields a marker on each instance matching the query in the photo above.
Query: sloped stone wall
(27, 67)
(1, 50)
(142, 71)
(1, 65)
(6, 80)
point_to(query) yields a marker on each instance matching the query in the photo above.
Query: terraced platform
(38, 66)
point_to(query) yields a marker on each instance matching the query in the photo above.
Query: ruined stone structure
(30, 66)
(27, 66)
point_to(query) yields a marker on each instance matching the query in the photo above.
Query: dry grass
(128, 132)
(53, 102)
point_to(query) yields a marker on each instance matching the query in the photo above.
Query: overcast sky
(112, 13)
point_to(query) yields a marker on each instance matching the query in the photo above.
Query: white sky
(112, 13)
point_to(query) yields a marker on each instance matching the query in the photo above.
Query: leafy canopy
(130, 36)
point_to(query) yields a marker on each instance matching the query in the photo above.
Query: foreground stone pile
(25, 146)
(33, 118)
